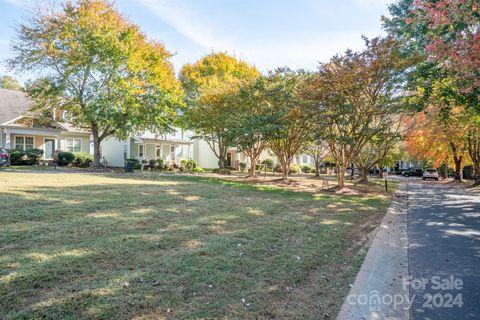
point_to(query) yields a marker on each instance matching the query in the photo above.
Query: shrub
(222, 171)
(189, 165)
(277, 168)
(171, 168)
(269, 163)
(295, 169)
(160, 164)
(181, 169)
(25, 158)
(82, 160)
(197, 169)
(152, 163)
(64, 158)
(242, 166)
(306, 168)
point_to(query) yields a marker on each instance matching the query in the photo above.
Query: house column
(7, 139)
(1, 138)
(58, 143)
(127, 148)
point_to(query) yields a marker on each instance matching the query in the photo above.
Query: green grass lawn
(119, 246)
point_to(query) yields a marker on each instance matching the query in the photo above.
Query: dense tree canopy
(99, 67)
(211, 87)
(357, 96)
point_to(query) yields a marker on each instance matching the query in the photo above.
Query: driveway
(444, 251)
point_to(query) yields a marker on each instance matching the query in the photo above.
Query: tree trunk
(221, 162)
(363, 175)
(252, 172)
(285, 169)
(458, 168)
(341, 176)
(96, 149)
(317, 168)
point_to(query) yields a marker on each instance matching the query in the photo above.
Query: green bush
(25, 158)
(222, 171)
(277, 168)
(242, 166)
(64, 158)
(82, 160)
(306, 168)
(198, 169)
(269, 163)
(160, 164)
(295, 169)
(190, 165)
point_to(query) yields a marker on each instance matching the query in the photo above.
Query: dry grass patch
(120, 246)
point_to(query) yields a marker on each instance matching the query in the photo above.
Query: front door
(49, 149)
(229, 160)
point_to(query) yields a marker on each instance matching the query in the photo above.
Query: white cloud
(300, 50)
(187, 23)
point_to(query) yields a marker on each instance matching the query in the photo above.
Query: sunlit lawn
(176, 247)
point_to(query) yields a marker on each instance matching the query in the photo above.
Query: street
(444, 250)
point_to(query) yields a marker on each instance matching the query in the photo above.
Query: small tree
(356, 93)
(318, 150)
(285, 94)
(211, 85)
(9, 82)
(375, 152)
(100, 68)
(255, 123)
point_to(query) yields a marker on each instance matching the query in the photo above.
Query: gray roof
(12, 104)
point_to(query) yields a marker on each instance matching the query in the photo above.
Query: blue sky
(266, 33)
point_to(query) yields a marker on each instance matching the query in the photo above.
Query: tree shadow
(134, 246)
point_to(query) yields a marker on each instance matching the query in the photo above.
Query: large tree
(357, 96)
(445, 37)
(211, 85)
(100, 68)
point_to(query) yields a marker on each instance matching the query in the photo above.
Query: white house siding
(203, 154)
(113, 151)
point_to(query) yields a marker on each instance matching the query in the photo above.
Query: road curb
(378, 291)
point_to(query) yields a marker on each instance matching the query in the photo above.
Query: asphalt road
(444, 251)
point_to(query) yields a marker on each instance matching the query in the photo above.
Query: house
(19, 129)
(172, 148)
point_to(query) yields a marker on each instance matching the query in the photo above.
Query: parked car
(413, 172)
(430, 173)
(4, 157)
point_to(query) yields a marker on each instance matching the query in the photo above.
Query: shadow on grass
(129, 246)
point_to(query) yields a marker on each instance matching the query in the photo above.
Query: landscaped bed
(121, 246)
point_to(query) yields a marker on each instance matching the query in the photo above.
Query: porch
(170, 151)
(48, 140)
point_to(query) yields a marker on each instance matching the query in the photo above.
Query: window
(141, 150)
(74, 145)
(23, 143)
(172, 153)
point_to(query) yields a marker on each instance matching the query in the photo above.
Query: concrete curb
(378, 291)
